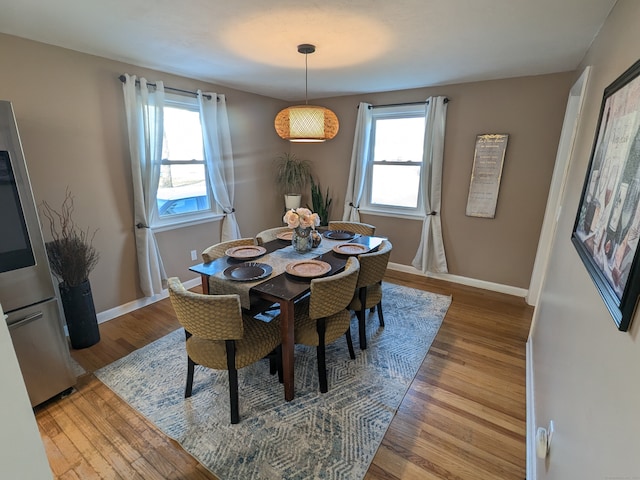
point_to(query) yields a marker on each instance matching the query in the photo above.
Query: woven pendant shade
(306, 123)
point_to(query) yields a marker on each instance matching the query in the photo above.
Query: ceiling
(361, 45)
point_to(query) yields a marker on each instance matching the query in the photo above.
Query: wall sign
(488, 159)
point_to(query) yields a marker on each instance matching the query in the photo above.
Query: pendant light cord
(306, 78)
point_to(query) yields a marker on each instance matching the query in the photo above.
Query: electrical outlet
(194, 255)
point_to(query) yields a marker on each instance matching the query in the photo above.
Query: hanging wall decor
(486, 174)
(607, 223)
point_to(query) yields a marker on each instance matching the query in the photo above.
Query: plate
(339, 235)
(245, 251)
(286, 236)
(248, 271)
(308, 268)
(350, 248)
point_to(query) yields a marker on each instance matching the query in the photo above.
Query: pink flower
(301, 217)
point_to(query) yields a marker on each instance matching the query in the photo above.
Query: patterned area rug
(329, 436)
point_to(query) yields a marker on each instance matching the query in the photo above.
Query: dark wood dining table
(283, 289)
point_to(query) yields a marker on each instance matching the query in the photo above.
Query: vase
(80, 314)
(301, 239)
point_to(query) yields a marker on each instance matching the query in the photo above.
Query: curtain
(430, 256)
(145, 114)
(219, 158)
(358, 169)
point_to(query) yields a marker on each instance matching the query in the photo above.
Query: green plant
(320, 204)
(292, 173)
(71, 253)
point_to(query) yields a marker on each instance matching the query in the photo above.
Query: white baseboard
(139, 303)
(496, 287)
(531, 417)
(471, 282)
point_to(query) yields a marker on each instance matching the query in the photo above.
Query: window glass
(182, 188)
(395, 160)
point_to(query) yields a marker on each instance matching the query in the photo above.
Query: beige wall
(70, 114)
(585, 370)
(69, 109)
(500, 250)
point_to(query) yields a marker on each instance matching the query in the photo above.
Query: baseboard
(531, 417)
(470, 282)
(139, 303)
(495, 287)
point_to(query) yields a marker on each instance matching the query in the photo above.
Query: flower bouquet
(302, 221)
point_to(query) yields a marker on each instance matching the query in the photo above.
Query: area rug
(316, 436)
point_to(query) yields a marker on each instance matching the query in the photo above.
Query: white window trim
(390, 210)
(214, 213)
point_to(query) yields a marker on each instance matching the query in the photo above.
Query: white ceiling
(362, 45)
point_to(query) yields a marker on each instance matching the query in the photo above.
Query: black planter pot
(80, 314)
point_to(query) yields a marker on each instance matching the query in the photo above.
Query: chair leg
(352, 353)
(362, 327)
(233, 381)
(190, 368)
(320, 353)
(380, 316)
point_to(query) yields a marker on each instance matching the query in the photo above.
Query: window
(394, 165)
(184, 195)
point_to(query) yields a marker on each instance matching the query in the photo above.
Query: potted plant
(320, 204)
(72, 257)
(292, 176)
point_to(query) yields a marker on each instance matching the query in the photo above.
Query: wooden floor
(462, 418)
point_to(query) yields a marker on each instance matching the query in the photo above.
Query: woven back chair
(355, 227)
(216, 251)
(270, 234)
(368, 292)
(220, 336)
(322, 317)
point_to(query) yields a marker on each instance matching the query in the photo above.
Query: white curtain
(219, 158)
(430, 256)
(358, 169)
(145, 114)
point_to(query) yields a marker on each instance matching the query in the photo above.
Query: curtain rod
(123, 79)
(446, 100)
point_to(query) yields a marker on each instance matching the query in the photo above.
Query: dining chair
(355, 227)
(220, 336)
(322, 317)
(368, 292)
(216, 251)
(270, 234)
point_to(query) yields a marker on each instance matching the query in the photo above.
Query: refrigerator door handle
(25, 320)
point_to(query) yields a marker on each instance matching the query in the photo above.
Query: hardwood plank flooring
(462, 418)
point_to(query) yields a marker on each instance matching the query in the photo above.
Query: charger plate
(245, 252)
(308, 268)
(339, 234)
(350, 248)
(286, 236)
(248, 271)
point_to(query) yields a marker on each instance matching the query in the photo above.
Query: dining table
(278, 282)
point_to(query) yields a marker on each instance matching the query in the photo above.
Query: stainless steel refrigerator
(27, 291)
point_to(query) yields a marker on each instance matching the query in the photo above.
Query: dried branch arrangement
(71, 253)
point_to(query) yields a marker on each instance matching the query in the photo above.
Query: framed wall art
(607, 224)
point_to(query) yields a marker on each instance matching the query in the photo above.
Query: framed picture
(607, 224)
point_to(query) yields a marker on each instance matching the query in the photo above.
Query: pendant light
(306, 123)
